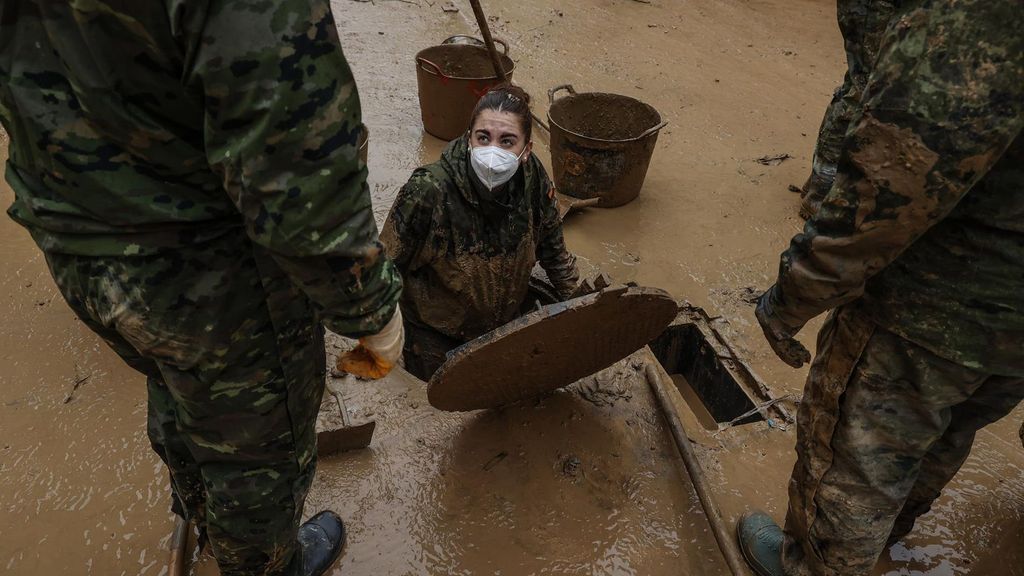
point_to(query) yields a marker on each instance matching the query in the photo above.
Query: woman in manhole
(467, 230)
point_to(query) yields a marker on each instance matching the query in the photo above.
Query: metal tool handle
(179, 547)
(427, 65)
(652, 130)
(567, 87)
(334, 389)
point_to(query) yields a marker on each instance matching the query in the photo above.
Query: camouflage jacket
(925, 221)
(141, 127)
(465, 256)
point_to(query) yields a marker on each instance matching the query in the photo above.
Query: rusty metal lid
(550, 348)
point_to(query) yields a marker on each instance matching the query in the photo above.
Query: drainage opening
(708, 385)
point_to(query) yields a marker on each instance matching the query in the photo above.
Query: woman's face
(501, 129)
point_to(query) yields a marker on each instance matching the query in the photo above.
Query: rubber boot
(321, 539)
(761, 543)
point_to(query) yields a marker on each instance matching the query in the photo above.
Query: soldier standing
(190, 170)
(919, 248)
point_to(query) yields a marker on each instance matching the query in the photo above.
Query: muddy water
(76, 472)
(562, 486)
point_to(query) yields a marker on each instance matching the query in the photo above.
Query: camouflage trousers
(862, 24)
(883, 427)
(234, 362)
(425, 350)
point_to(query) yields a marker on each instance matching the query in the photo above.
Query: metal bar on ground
(179, 547)
(730, 550)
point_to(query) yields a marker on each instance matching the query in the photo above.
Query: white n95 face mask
(494, 166)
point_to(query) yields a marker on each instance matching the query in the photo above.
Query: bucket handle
(567, 87)
(651, 130)
(427, 65)
(477, 41)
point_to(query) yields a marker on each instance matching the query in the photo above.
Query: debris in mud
(79, 380)
(450, 8)
(608, 386)
(571, 466)
(773, 160)
(795, 189)
(494, 461)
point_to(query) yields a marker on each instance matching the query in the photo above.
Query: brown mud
(463, 62)
(604, 116)
(558, 486)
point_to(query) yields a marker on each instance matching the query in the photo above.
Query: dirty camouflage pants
(883, 427)
(862, 24)
(425, 350)
(234, 362)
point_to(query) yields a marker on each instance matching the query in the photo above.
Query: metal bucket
(452, 77)
(601, 144)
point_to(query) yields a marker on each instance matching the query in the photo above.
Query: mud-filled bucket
(601, 144)
(452, 77)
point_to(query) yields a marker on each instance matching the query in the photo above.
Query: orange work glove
(376, 355)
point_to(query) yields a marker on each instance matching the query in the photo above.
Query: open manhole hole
(718, 386)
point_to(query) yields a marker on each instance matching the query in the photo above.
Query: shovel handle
(567, 87)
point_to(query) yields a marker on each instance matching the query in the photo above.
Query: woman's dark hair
(507, 98)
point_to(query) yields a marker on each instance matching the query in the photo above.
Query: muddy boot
(761, 543)
(813, 192)
(321, 540)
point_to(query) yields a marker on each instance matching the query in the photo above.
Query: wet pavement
(565, 485)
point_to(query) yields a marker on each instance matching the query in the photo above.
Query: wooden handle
(485, 31)
(726, 541)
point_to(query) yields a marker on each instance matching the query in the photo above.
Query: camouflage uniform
(466, 253)
(190, 171)
(862, 24)
(919, 246)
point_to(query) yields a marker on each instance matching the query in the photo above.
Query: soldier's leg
(243, 365)
(247, 407)
(864, 440)
(74, 275)
(996, 398)
(862, 24)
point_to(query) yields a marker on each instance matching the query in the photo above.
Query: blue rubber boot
(761, 543)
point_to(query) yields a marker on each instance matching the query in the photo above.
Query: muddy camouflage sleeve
(554, 257)
(282, 123)
(409, 221)
(944, 102)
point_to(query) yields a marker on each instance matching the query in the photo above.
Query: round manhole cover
(550, 348)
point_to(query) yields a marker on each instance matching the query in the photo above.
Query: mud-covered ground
(583, 482)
